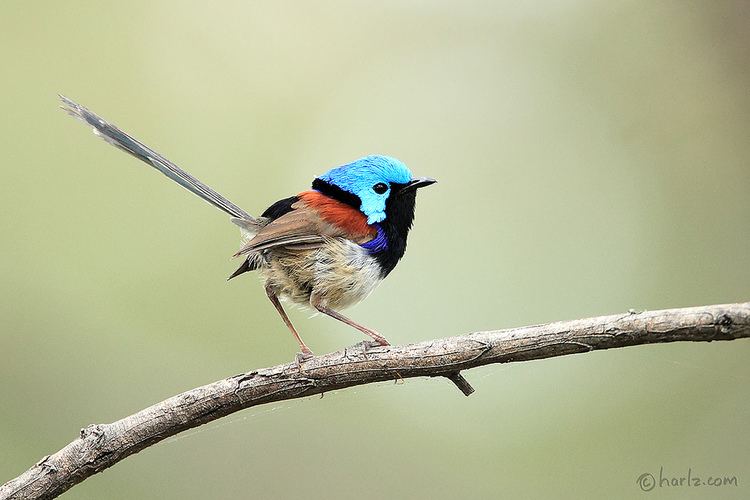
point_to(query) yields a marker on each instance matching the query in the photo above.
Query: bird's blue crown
(361, 178)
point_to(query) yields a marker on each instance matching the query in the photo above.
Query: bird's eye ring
(380, 188)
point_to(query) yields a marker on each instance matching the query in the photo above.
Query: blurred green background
(592, 157)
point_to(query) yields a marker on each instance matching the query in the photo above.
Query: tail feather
(250, 263)
(123, 141)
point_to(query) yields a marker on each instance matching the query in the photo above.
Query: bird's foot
(303, 356)
(369, 344)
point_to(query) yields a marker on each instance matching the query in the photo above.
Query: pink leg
(317, 304)
(306, 352)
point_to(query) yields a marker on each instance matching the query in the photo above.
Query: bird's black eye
(380, 188)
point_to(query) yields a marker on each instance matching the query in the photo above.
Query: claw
(304, 356)
(381, 341)
(369, 344)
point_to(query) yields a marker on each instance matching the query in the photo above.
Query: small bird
(326, 248)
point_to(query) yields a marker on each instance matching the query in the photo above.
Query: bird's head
(372, 184)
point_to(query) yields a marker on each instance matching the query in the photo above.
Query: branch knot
(725, 323)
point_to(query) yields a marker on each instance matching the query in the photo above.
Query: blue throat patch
(379, 243)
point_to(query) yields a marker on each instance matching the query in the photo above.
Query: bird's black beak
(418, 183)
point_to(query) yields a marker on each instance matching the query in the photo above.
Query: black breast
(399, 215)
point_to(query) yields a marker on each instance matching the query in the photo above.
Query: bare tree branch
(102, 445)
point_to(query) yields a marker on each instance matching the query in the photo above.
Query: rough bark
(102, 445)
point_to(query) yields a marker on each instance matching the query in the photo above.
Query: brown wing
(302, 227)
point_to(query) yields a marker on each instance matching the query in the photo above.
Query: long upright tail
(120, 139)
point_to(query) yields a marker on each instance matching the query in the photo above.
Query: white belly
(341, 272)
